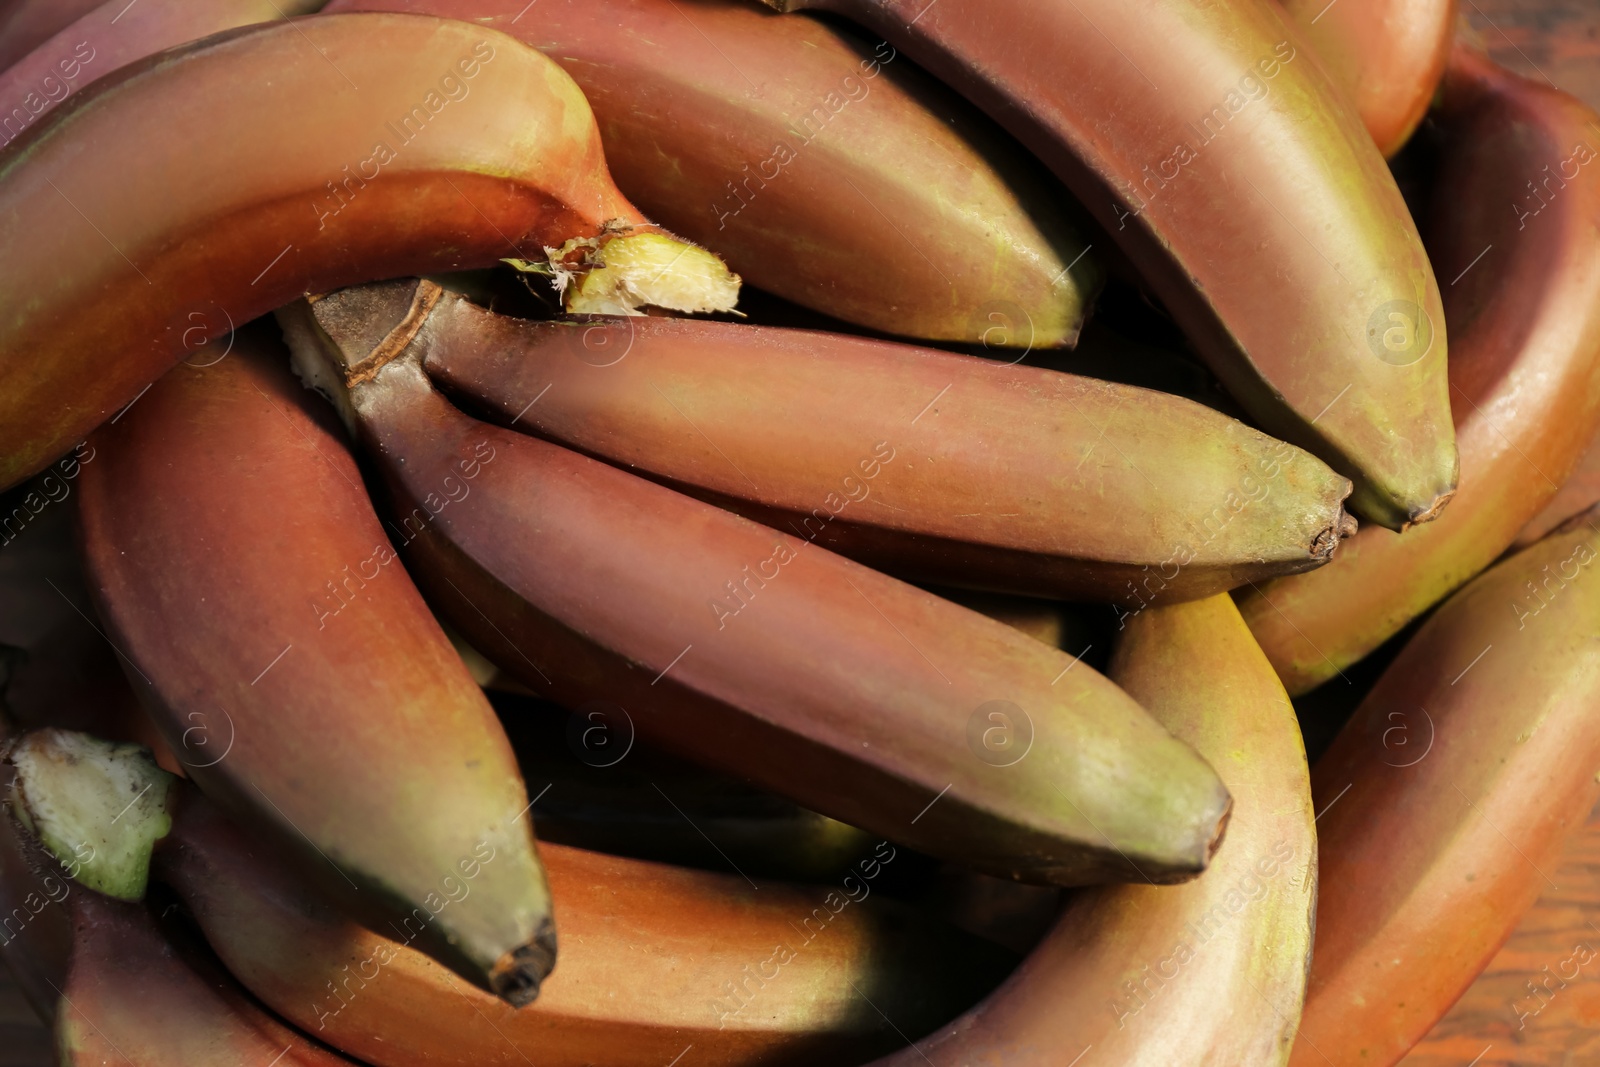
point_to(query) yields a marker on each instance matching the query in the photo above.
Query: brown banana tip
(1328, 538)
(518, 974)
(1221, 830)
(1431, 512)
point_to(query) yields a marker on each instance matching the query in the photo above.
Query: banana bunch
(496, 638)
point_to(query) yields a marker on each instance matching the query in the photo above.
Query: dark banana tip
(1328, 538)
(518, 974)
(1429, 513)
(1221, 830)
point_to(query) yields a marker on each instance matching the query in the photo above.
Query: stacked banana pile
(894, 660)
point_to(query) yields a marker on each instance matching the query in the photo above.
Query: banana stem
(98, 806)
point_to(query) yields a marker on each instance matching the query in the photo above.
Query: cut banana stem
(936, 467)
(746, 649)
(839, 176)
(1211, 972)
(1387, 55)
(1446, 799)
(76, 793)
(111, 36)
(211, 202)
(1524, 369)
(295, 671)
(661, 960)
(1227, 166)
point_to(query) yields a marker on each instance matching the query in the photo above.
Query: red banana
(745, 649)
(1446, 798)
(1002, 477)
(1579, 493)
(109, 38)
(1309, 294)
(1207, 973)
(1387, 54)
(660, 959)
(210, 202)
(135, 999)
(1524, 309)
(292, 666)
(838, 177)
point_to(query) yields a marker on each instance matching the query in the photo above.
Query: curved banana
(660, 959)
(293, 668)
(665, 959)
(840, 177)
(1446, 798)
(1211, 972)
(1310, 295)
(1008, 478)
(1524, 368)
(1387, 54)
(210, 202)
(110, 37)
(748, 650)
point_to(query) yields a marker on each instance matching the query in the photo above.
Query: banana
(745, 649)
(1524, 370)
(293, 668)
(35, 921)
(1211, 972)
(933, 466)
(210, 202)
(134, 998)
(1446, 798)
(1387, 54)
(1579, 493)
(840, 177)
(112, 986)
(26, 24)
(1310, 294)
(663, 958)
(110, 37)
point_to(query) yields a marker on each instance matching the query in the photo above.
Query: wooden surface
(1553, 40)
(1499, 1022)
